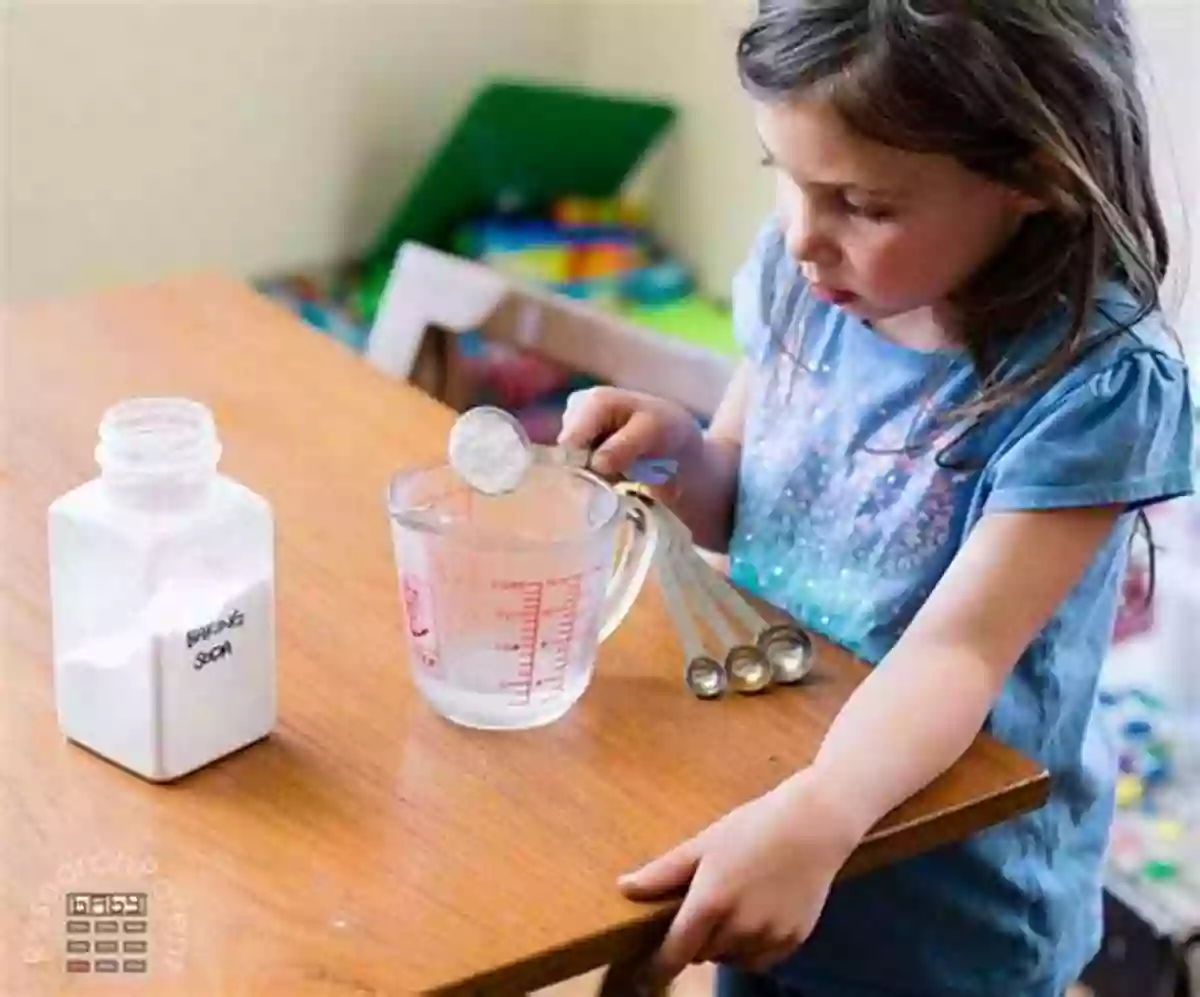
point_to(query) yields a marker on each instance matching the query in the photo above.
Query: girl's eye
(767, 161)
(869, 212)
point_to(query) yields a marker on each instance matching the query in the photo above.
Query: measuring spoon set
(746, 653)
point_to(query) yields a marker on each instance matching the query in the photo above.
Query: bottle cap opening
(156, 436)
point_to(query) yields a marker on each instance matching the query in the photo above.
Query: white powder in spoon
(490, 450)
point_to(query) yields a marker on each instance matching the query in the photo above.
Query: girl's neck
(933, 327)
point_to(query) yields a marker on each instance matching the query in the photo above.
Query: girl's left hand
(756, 881)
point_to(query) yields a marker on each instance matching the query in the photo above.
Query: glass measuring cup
(507, 597)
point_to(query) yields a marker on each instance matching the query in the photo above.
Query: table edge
(642, 932)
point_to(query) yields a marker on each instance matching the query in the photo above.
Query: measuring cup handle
(634, 563)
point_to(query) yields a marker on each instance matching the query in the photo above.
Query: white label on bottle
(218, 677)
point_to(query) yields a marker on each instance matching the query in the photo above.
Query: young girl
(958, 393)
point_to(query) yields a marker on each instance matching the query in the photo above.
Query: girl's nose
(807, 243)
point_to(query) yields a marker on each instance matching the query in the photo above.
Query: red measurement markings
(564, 634)
(528, 618)
(413, 609)
(418, 610)
(551, 605)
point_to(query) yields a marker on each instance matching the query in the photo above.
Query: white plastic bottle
(162, 590)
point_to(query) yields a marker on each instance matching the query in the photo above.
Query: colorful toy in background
(590, 249)
(1158, 851)
(586, 212)
(327, 302)
(1139, 725)
(585, 249)
(1149, 828)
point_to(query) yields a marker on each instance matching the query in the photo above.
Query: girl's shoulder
(1116, 426)
(1124, 327)
(1126, 345)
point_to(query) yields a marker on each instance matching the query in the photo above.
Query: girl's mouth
(834, 295)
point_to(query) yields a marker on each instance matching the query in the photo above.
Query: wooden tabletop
(366, 847)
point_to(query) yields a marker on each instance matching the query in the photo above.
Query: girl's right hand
(624, 426)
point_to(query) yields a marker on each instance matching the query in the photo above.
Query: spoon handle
(707, 580)
(644, 470)
(669, 583)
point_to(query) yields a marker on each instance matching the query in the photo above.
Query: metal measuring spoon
(705, 676)
(746, 665)
(749, 669)
(789, 650)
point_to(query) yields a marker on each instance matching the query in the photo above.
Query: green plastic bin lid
(518, 147)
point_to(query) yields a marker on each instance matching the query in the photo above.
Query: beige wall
(149, 136)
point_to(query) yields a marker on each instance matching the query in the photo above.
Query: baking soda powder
(489, 450)
(191, 679)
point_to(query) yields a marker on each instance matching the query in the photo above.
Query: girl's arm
(921, 708)
(757, 879)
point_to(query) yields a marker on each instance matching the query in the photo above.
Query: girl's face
(878, 230)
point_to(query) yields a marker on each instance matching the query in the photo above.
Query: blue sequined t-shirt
(847, 517)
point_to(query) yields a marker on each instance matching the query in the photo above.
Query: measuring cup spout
(414, 504)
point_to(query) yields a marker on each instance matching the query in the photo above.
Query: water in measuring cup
(474, 698)
(528, 659)
(504, 594)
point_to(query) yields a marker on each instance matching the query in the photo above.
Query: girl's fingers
(754, 947)
(632, 440)
(669, 873)
(592, 415)
(696, 920)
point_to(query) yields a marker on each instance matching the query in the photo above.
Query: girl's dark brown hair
(1040, 95)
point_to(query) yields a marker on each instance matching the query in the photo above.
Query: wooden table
(367, 847)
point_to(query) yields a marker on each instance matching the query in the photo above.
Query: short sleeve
(755, 290)
(1121, 437)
